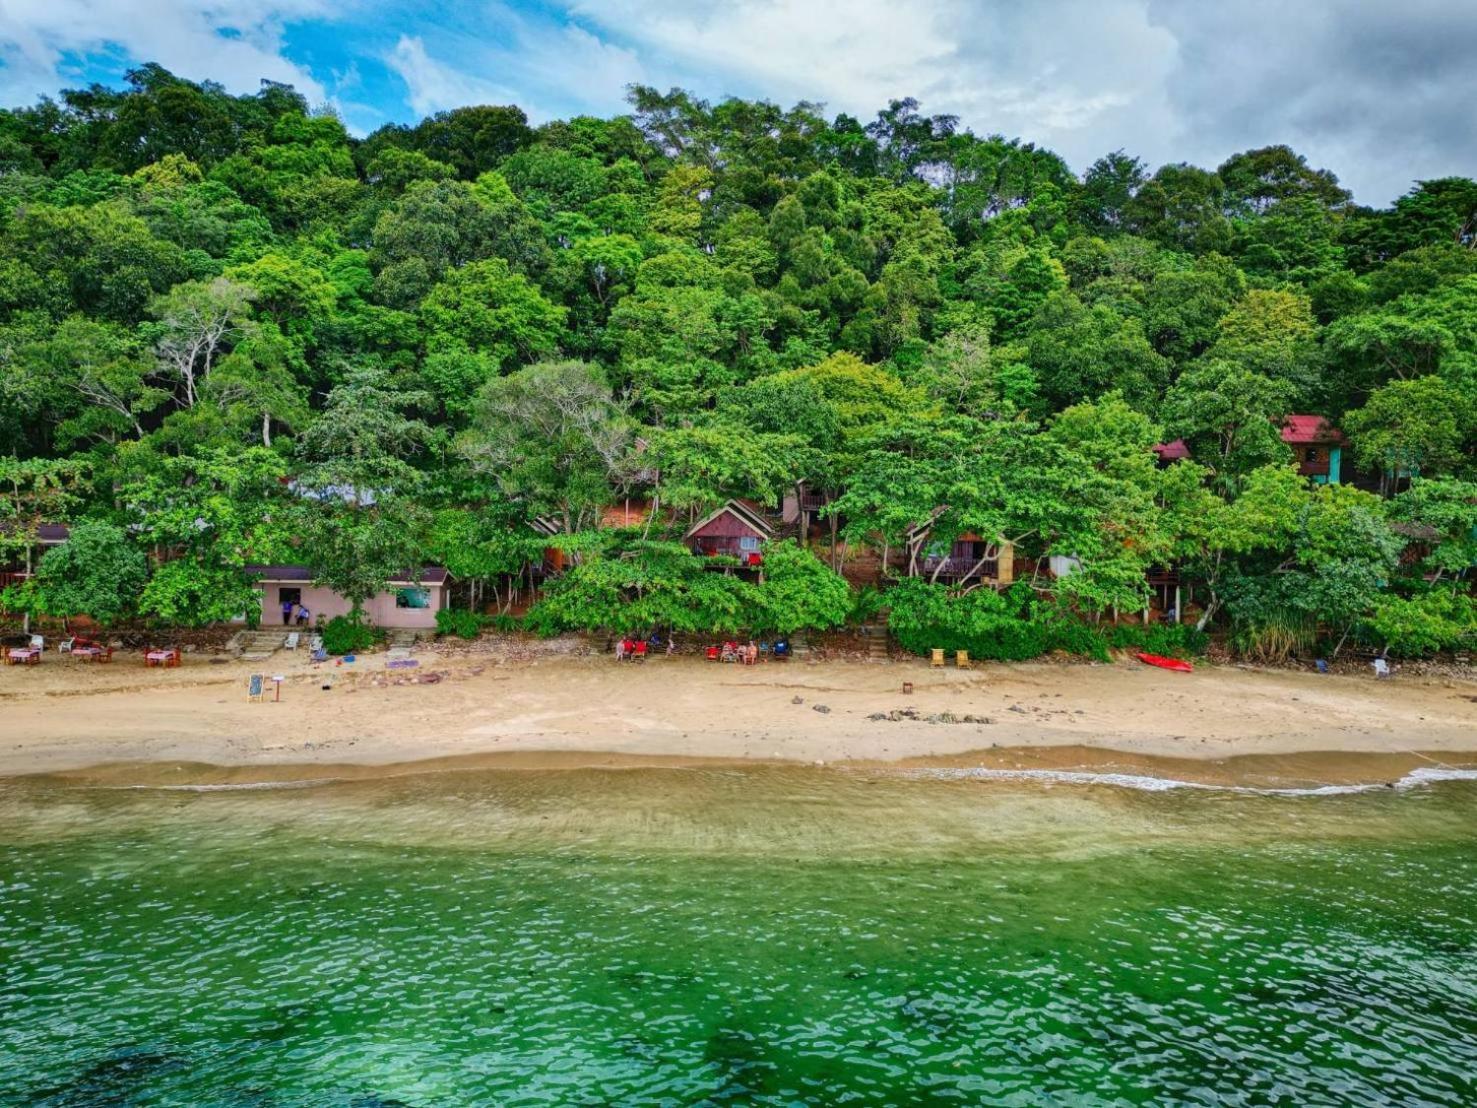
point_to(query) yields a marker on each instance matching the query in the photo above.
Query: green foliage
(1173, 640)
(250, 337)
(998, 626)
(347, 635)
(1438, 619)
(97, 572)
(461, 622)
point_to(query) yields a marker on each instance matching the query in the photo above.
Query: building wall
(324, 604)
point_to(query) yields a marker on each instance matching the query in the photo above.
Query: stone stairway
(876, 636)
(403, 638)
(254, 646)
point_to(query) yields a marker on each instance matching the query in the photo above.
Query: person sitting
(303, 615)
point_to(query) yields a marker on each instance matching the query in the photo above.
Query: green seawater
(734, 936)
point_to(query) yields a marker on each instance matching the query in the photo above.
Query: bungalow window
(748, 543)
(413, 598)
(1311, 454)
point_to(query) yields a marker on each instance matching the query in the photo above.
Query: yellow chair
(937, 659)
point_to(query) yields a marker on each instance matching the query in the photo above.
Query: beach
(539, 705)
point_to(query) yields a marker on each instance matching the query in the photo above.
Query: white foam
(234, 786)
(1416, 778)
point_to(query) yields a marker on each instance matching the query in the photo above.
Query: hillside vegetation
(230, 333)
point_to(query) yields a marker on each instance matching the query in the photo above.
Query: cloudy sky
(1379, 91)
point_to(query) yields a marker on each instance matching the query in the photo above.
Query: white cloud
(237, 43)
(1054, 71)
(434, 85)
(532, 65)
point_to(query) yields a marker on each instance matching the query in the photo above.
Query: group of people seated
(629, 649)
(747, 654)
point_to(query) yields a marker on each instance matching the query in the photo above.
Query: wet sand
(531, 710)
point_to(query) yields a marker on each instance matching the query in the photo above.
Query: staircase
(403, 638)
(254, 646)
(876, 636)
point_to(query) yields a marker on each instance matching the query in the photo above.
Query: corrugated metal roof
(430, 575)
(1300, 430)
(1172, 451)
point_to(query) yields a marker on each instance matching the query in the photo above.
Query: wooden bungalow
(1170, 452)
(967, 558)
(1317, 447)
(737, 530)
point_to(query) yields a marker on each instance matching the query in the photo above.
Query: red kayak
(1162, 662)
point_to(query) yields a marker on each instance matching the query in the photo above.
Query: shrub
(461, 622)
(344, 635)
(1173, 640)
(1441, 619)
(1007, 626)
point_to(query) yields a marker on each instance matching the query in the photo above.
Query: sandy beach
(532, 706)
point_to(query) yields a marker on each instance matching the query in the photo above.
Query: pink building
(405, 603)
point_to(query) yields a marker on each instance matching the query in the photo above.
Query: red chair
(639, 651)
(712, 653)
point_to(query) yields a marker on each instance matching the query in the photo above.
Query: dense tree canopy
(232, 332)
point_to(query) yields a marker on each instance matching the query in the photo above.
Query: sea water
(762, 935)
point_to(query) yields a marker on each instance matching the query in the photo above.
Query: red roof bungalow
(1168, 452)
(736, 530)
(1317, 447)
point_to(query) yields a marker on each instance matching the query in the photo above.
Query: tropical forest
(961, 389)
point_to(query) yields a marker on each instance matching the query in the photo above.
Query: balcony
(957, 567)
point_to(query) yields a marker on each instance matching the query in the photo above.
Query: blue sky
(1376, 90)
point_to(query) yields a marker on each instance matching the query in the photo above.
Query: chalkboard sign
(254, 687)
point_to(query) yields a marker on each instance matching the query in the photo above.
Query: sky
(1379, 91)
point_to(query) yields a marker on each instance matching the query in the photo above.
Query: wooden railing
(958, 567)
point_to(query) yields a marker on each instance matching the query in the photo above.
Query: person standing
(287, 606)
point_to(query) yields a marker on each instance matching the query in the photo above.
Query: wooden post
(1179, 613)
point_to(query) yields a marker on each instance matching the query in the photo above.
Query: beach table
(93, 652)
(162, 658)
(23, 656)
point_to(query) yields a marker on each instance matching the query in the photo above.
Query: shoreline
(547, 707)
(1272, 773)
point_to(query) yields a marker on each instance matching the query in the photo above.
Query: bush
(503, 622)
(461, 622)
(1440, 619)
(1007, 627)
(1173, 640)
(346, 635)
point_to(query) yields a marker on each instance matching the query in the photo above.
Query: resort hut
(406, 602)
(737, 530)
(1170, 452)
(1317, 447)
